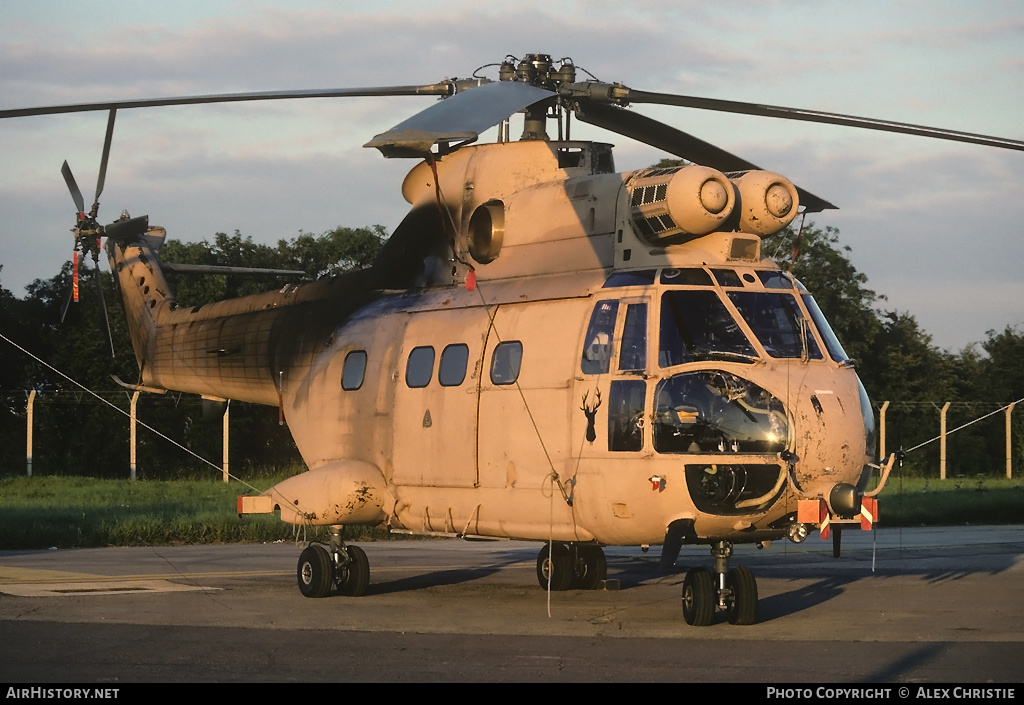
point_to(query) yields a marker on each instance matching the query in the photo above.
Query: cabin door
(525, 397)
(611, 434)
(436, 391)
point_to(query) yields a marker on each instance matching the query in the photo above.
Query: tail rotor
(88, 234)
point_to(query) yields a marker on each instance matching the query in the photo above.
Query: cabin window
(506, 361)
(420, 368)
(626, 415)
(354, 370)
(452, 370)
(597, 350)
(633, 353)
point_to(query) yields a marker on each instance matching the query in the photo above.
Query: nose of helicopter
(833, 435)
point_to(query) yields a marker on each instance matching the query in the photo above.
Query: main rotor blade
(733, 106)
(76, 193)
(657, 134)
(103, 161)
(462, 117)
(441, 89)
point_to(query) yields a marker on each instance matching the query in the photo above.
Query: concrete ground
(900, 605)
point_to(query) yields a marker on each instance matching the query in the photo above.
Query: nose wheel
(731, 591)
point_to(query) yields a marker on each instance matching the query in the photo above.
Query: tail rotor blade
(76, 193)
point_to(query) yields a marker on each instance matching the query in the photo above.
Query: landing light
(797, 532)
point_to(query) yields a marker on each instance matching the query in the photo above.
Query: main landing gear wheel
(741, 606)
(698, 597)
(353, 577)
(558, 567)
(315, 572)
(589, 567)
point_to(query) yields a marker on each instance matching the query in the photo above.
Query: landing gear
(698, 597)
(741, 605)
(353, 576)
(571, 567)
(732, 591)
(341, 566)
(590, 567)
(314, 572)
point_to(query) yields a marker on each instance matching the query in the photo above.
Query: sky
(934, 225)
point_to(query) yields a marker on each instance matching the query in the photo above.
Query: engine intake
(767, 202)
(678, 203)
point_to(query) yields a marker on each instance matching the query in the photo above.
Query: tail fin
(146, 294)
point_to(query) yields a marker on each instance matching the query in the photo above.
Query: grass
(916, 501)
(72, 512)
(66, 512)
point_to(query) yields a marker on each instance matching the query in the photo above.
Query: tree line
(898, 362)
(78, 434)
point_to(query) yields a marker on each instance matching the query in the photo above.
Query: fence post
(131, 433)
(1009, 442)
(29, 408)
(942, 441)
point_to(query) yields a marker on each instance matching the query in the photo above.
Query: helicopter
(546, 349)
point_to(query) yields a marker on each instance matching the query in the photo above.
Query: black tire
(698, 597)
(590, 567)
(743, 603)
(354, 578)
(560, 567)
(315, 572)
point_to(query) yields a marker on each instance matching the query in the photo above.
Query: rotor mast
(539, 70)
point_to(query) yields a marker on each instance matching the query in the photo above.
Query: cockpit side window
(626, 414)
(633, 353)
(599, 343)
(832, 344)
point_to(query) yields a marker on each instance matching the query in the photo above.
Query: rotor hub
(538, 70)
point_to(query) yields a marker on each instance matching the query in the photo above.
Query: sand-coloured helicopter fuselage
(545, 348)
